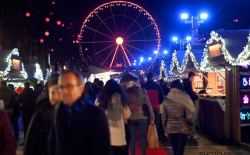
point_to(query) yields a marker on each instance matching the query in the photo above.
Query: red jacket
(7, 139)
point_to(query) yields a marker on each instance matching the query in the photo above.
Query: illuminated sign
(244, 81)
(245, 98)
(245, 115)
(244, 95)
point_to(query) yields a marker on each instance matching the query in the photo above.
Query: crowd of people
(68, 116)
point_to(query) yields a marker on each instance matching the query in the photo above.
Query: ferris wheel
(117, 32)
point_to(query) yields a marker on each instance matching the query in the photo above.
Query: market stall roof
(189, 62)
(235, 40)
(226, 48)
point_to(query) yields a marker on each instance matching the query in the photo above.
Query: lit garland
(38, 73)
(188, 54)
(205, 65)
(245, 54)
(8, 68)
(174, 67)
(1, 75)
(163, 73)
(48, 74)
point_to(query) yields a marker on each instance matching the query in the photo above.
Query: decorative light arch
(245, 54)
(174, 63)
(189, 53)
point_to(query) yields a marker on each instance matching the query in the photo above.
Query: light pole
(195, 21)
(181, 42)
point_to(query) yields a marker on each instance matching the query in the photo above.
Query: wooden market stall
(219, 117)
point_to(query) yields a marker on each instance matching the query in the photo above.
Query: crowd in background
(67, 116)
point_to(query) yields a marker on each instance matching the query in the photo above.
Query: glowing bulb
(46, 33)
(184, 16)
(27, 14)
(165, 52)
(156, 52)
(58, 22)
(119, 40)
(41, 40)
(47, 19)
(204, 16)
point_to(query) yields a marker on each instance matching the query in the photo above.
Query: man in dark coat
(7, 138)
(27, 100)
(80, 128)
(41, 125)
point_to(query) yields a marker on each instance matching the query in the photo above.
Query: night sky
(20, 31)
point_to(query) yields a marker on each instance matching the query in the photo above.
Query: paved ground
(205, 147)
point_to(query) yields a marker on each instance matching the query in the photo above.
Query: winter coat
(81, 129)
(139, 104)
(7, 138)
(177, 111)
(39, 130)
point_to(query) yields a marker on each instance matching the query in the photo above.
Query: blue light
(165, 52)
(149, 58)
(175, 39)
(141, 59)
(156, 52)
(134, 64)
(184, 16)
(203, 15)
(188, 38)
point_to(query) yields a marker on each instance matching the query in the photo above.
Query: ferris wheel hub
(119, 40)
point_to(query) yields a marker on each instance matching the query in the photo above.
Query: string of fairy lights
(205, 65)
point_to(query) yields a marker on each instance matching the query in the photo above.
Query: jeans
(178, 142)
(138, 126)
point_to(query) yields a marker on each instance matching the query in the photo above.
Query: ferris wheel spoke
(96, 31)
(132, 23)
(113, 58)
(104, 49)
(95, 42)
(143, 40)
(129, 53)
(105, 25)
(104, 62)
(134, 33)
(126, 55)
(106, 58)
(113, 17)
